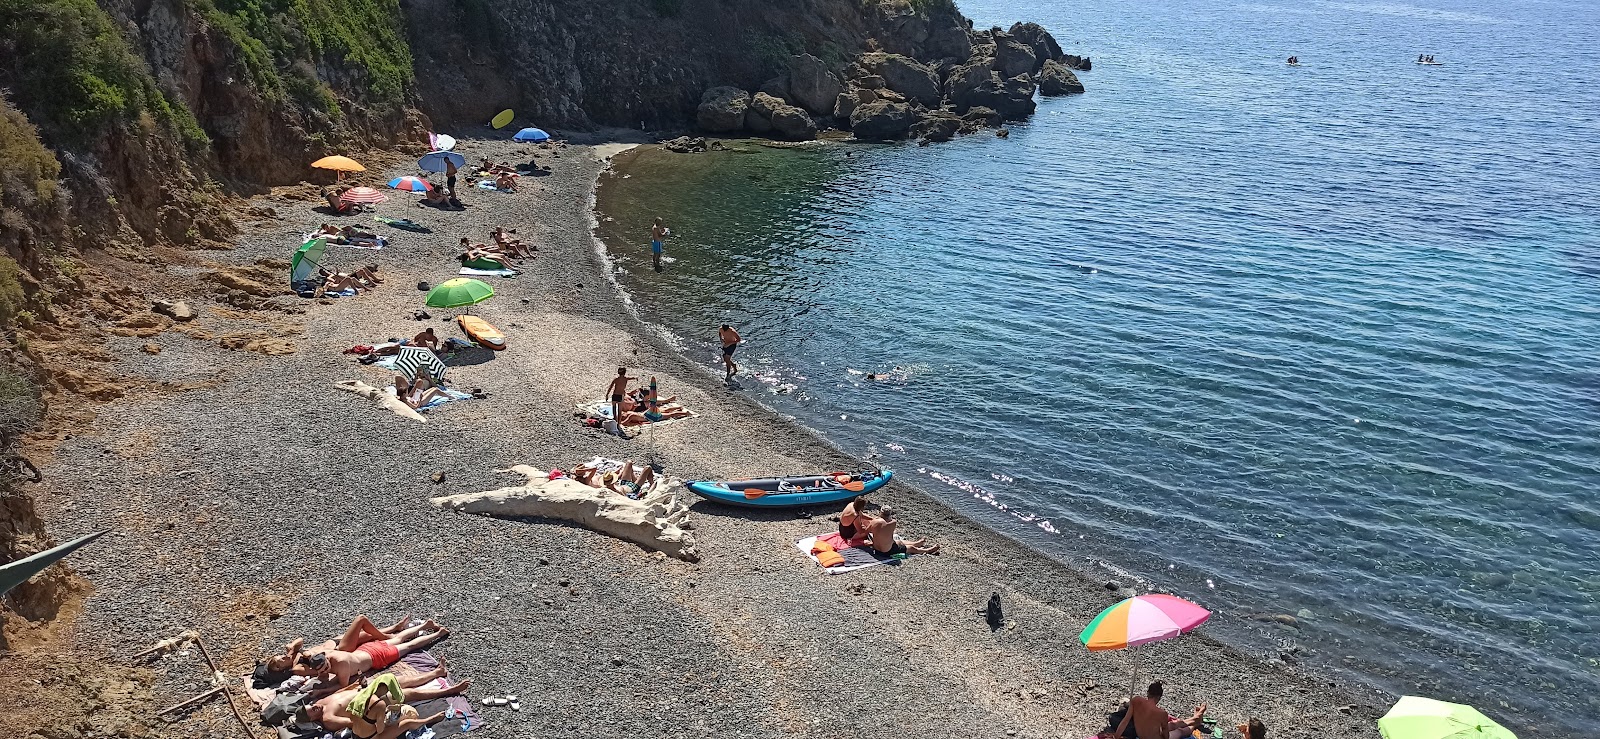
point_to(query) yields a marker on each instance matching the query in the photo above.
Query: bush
(19, 403)
(70, 61)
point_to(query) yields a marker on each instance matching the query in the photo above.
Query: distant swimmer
(1420, 59)
(1294, 60)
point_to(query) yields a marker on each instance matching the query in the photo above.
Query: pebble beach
(262, 504)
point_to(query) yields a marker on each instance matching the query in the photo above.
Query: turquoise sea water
(1275, 338)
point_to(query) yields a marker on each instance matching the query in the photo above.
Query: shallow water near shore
(1313, 340)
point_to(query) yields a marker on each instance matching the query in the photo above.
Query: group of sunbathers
(345, 235)
(641, 405)
(629, 480)
(504, 175)
(859, 527)
(358, 281)
(506, 247)
(344, 697)
(1142, 717)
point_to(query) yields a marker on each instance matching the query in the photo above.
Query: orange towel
(826, 555)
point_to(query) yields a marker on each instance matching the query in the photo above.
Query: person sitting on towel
(428, 339)
(349, 652)
(378, 709)
(1151, 721)
(437, 197)
(848, 527)
(880, 531)
(415, 393)
(506, 181)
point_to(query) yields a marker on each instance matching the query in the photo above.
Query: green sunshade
(1425, 718)
(459, 292)
(307, 259)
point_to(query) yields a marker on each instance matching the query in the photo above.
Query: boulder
(904, 75)
(966, 78)
(758, 119)
(870, 82)
(983, 116)
(681, 145)
(722, 109)
(936, 127)
(812, 85)
(777, 87)
(658, 522)
(1043, 44)
(1056, 79)
(794, 124)
(1012, 57)
(846, 103)
(881, 120)
(177, 311)
(1011, 98)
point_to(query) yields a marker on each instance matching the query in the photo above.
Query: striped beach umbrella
(414, 359)
(1426, 718)
(363, 195)
(410, 184)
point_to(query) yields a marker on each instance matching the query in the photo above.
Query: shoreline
(730, 646)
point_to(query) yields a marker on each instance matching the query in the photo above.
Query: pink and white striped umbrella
(363, 195)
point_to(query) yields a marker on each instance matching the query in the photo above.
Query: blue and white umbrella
(434, 161)
(531, 134)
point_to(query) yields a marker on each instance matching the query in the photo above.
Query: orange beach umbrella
(339, 164)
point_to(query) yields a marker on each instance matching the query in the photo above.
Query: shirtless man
(617, 390)
(880, 532)
(1151, 721)
(381, 719)
(730, 343)
(351, 657)
(427, 338)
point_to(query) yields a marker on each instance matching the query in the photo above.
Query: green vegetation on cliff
(28, 197)
(67, 58)
(279, 39)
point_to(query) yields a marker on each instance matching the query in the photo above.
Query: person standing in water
(730, 343)
(658, 242)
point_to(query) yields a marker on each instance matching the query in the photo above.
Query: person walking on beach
(618, 389)
(730, 343)
(658, 242)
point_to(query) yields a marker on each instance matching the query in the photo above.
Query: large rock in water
(1043, 44)
(937, 127)
(768, 113)
(881, 121)
(963, 80)
(723, 109)
(1012, 57)
(812, 85)
(758, 119)
(904, 75)
(1011, 98)
(1056, 79)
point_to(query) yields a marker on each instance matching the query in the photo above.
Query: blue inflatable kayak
(779, 492)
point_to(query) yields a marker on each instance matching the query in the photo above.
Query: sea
(1320, 341)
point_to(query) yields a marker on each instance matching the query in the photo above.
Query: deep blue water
(1338, 350)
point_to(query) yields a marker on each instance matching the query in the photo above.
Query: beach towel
(855, 558)
(368, 244)
(445, 395)
(474, 272)
(489, 185)
(459, 715)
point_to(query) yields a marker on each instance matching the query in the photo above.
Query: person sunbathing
(415, 393)
(506, 181)
(478, 255)
(380, 708)
(338, 283)
(628, 483)
(296, 660)
(437, 197)
(880, 531)
(848, 520)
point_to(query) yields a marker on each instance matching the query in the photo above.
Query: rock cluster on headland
(951, 83)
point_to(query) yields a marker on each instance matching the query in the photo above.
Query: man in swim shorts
(730, 343)
(618, 389)
(379, 709)
(359, 652)
(658, 242)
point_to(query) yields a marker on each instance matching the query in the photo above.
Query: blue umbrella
(434, 161)
(531, 134)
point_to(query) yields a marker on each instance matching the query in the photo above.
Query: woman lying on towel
(880, 533)
(378, 710)
(415, 393)
(363, 648)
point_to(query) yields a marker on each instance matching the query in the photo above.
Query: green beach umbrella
(307, 259)
(1426, 718)
(459, 292)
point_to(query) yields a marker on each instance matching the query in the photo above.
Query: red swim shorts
(383, 653)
